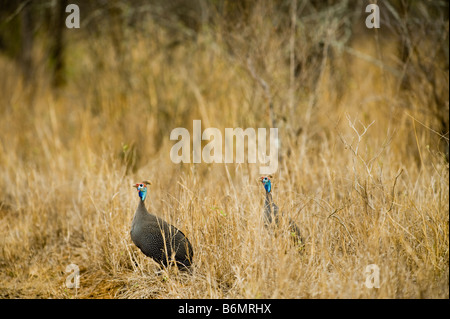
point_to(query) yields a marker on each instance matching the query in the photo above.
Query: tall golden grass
(360, 170)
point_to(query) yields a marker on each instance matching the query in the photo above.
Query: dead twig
(393, 190)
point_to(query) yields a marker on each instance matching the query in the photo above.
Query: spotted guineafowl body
(158, 239)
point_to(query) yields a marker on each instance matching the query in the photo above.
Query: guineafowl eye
(140, 186)
(264, 179)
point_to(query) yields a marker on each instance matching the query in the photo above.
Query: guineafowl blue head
(266, 182)
(142, 189)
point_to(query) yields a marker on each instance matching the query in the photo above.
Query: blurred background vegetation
(170, 58)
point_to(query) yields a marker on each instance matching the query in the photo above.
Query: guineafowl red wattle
(156, 238)
(271, 212)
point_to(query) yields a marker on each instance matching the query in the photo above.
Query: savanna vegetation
(362, 118)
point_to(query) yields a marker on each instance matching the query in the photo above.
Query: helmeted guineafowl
(271, 211)
(156, 238)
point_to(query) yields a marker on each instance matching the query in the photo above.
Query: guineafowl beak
(136, 185)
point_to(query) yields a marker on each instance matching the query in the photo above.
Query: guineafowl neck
(141, 207)
(269, 197)
(268, 203)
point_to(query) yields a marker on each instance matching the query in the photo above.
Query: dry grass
(68, 160)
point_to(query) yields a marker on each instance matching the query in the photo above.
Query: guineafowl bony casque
(271, 212)
(158, 239)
